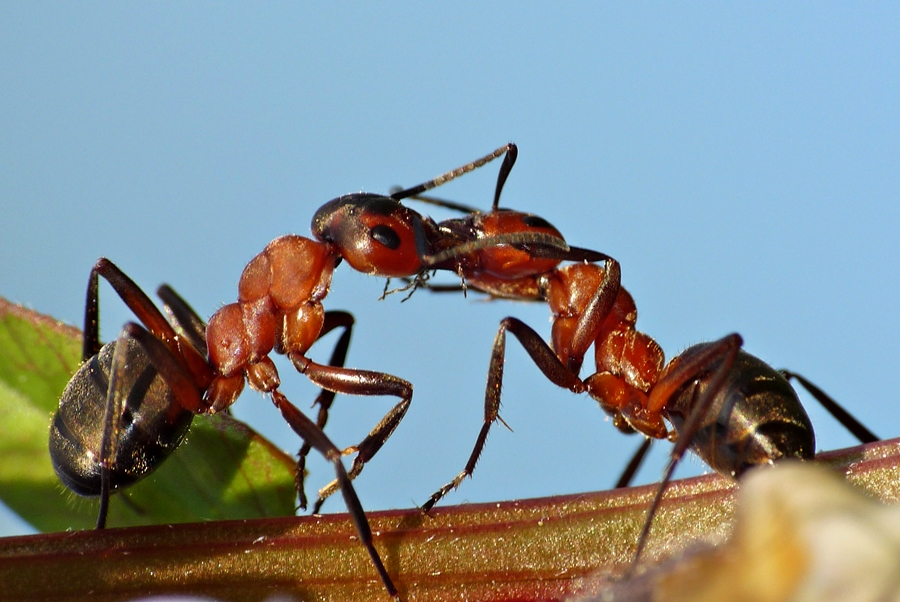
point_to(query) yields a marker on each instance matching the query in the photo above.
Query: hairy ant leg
(545, 359)
(361, 382)
(317, 438)
(123, 386)
(333, 319)
(834, 408)
(560, 366)
(718, 357)
(150, 377)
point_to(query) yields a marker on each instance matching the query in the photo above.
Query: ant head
(376, 234)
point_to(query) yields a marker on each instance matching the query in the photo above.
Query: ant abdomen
(755, 418)
(152, 424)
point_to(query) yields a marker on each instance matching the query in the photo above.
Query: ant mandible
(129, 405)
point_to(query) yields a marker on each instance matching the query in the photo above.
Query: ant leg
(359, 382)
(634, 464)
(545, 359)
(724, 350)
(186, 321)
(333, 319)
(595, 313)
(853, 425)
(111, 427)
(139, 303)
(167, 367)
(170, 369)
(304, 427)
(133, 297)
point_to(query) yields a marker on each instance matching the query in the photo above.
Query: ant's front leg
(359, 382)
(559, 365)
(333, 319)
(137, 360)
(545, 359)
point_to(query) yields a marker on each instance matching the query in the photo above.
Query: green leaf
(223, 470)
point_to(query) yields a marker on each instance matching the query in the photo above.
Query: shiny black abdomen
(755, 419)
(151, 424)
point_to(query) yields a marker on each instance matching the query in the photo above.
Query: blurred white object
(802, 534)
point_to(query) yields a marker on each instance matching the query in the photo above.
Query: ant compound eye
(386, 236)
(534, 221)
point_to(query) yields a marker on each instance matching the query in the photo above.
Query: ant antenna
(512, 153)
(452, 175)
(439, 202)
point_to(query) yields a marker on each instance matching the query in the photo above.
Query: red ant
(281, 289)
(130, 404)
(732, 409)
(279, 309)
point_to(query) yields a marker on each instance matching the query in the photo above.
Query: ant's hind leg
(856, 428)
(121, 383)
(312, 434)
(132, 295)
(724, 351)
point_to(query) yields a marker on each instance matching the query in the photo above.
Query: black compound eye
(386, 236)
(534, 221)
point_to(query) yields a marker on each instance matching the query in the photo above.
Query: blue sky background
(741, 162)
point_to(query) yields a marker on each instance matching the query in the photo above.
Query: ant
(731, 408)
(280, 295)
(129, 405)
(279, 308)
